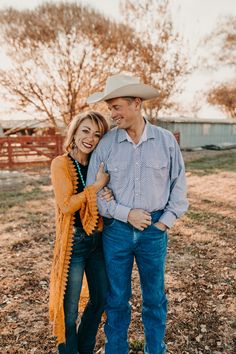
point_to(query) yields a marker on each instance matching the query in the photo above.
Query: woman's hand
(107, 194)
(102, 177)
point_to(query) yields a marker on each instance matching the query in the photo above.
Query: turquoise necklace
(80, 173)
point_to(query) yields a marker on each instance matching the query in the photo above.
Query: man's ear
(138, 102)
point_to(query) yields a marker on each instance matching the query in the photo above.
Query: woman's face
(87, 136)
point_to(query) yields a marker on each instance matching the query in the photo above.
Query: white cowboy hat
(123, 85)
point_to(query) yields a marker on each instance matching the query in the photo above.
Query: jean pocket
(157, 228)
(79, 236)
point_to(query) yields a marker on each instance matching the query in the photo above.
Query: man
(147, 178)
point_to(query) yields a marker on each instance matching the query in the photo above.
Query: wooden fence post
(21, 150)
(10, 155)
(59, 142)
(177, 137)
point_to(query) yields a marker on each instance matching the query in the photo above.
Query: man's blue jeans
(121, 243)
(87, 256)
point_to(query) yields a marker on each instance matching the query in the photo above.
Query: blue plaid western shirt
(149, 175)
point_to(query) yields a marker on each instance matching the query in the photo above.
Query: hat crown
(123, 85)
(117, 81)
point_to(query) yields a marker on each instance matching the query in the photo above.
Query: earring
(74, 146)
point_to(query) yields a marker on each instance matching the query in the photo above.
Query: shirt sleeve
(177, 203)
(110, 209)
(67, 201)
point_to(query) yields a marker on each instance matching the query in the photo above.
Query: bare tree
(161, 60)
(224, 96)
(54, 80)
(220, 47)
(220, 44)
(60, 54)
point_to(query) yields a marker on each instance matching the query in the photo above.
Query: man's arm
(111, 208)
(177, 203)
(138, 218)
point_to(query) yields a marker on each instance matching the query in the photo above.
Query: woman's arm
(68, 202)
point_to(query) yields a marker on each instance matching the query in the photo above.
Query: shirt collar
(148, 133)
(121, 135)
(150, 130)
(142, 139)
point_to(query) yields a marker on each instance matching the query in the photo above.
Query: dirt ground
(200, 274)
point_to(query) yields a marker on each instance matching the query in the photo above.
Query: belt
(156, 214)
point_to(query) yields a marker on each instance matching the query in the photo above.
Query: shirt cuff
(168, 219)
(121, 213)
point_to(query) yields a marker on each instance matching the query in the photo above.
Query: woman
(78, 245)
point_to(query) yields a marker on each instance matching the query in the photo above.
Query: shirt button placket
(137, 178)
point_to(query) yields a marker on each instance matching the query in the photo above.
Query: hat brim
(135, 90)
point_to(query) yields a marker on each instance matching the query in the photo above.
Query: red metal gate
(24, 150)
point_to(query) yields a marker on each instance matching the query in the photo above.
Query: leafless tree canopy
(60, 53)
(162, 61)
(220, 45)
(224, 96)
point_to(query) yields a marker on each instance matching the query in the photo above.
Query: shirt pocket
(118, 172)
(156, 170)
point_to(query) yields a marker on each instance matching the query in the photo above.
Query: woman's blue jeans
(87, 256)
(122, 243)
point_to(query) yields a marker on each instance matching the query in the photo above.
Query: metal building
(200, 132)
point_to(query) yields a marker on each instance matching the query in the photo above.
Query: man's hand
(161, 226)
(139, 218)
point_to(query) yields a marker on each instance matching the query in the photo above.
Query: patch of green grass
(208, 201)
(32, 217)
(18, 245)
(9, 229)
(12, 198)
(209, 165)
(221, 223)
(202, 215)
(137, 345)
(37, 219)
(233, 324)
(196, 215)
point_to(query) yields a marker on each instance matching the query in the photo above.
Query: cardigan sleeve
(67, 201)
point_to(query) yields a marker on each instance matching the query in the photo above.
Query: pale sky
(193, 18)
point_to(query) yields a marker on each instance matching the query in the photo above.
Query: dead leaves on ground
(199, 278)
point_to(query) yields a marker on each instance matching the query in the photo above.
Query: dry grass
(199, 278)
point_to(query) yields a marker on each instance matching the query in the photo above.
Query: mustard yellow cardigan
(67, 202)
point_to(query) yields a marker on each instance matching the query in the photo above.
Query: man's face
(123, 112)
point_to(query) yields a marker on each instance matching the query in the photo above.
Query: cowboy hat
(123, 85)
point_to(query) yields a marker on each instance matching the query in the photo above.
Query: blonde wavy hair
(77, 120)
